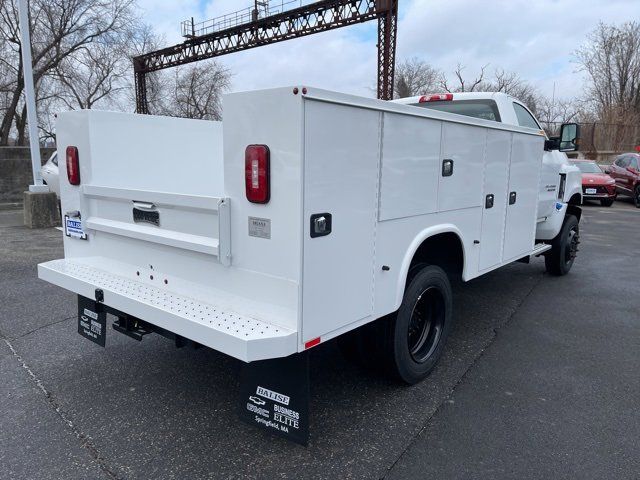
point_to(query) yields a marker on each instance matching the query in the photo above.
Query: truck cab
(559, 180)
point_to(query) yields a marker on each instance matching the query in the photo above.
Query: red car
(626, 174)
(596, 184)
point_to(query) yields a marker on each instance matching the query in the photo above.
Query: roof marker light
(438, 97)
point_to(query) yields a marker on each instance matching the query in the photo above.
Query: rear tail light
(439, 97)
(73, 166)
(256, 173)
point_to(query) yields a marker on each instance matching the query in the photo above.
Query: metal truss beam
(317, 17)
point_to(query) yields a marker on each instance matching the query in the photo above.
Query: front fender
(573, 183)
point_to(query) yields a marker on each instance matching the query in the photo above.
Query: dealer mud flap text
(92, 320)
(274, 395)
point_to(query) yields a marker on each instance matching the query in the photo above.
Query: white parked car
(50, 174)
(308, 215)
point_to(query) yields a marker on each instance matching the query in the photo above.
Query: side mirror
(607, 170)
(551, 144)
(569, 137)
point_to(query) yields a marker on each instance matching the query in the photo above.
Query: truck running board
(540, 248)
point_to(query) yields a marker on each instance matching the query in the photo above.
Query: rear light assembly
(439, 97)
(73, 166)
(256, 173)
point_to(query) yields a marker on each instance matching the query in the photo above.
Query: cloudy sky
(536, 39)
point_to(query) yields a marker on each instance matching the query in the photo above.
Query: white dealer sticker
(73, 228)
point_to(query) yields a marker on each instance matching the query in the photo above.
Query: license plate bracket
(92, 320)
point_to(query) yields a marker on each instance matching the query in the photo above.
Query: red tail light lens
(73, 166)
(440, 97)
(256, 173)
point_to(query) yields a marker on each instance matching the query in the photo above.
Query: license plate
(590, 191)
(92, 321)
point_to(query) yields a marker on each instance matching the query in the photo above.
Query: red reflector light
(439, 97)
(73, 166)
(256, 173)
(311, 343)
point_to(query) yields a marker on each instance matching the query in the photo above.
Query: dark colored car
(626, 174)
(596, 185)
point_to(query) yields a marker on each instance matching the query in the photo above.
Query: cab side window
(623, 161)
(633, 162)
(525, 119)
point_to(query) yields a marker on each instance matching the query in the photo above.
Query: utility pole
(30, 97)
(40, 205)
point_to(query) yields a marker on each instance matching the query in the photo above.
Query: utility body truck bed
(301, 217)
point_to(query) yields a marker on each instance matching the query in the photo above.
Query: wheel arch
(423, 247)
(574, 208)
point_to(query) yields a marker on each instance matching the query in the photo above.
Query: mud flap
(92, 320)
(274, 395)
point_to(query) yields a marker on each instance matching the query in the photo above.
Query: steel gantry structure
(209, 41)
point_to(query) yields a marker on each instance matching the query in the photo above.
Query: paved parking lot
(539, 380)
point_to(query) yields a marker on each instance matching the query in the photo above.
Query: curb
(11, 206)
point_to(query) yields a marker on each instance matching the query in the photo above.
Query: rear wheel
(564, 247)
(417, 336)
(636, 196)
(606, 202)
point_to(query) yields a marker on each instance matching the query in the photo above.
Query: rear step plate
(243, 337)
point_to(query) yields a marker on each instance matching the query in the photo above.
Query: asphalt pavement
(539, 380)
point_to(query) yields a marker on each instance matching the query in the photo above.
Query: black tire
(606, 202)
(564, 248)
(416, 336)
(636, 196)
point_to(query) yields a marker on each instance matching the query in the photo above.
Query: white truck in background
(304, 216)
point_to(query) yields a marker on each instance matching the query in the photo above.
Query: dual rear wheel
(408, 343)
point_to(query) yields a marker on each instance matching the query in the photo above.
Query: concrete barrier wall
(15, 171)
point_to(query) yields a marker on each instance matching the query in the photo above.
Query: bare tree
(512, 84)
(92, 76)
(198, 91)
(159, 84)
(553, 112)
(463, 85)
(501, 81)
(415, 77)
(611, 59)
(60, 29)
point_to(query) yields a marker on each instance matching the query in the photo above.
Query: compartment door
(463, 149)
(496, 182)
(522, 196)
(341, 164)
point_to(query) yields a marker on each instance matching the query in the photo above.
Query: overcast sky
(536, 39)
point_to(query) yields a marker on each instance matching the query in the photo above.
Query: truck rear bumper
(245, 338)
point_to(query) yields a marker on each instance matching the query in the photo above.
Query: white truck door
(341, 162)
(522, 196)
(496, 182)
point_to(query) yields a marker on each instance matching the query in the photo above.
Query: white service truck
(304, 216)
